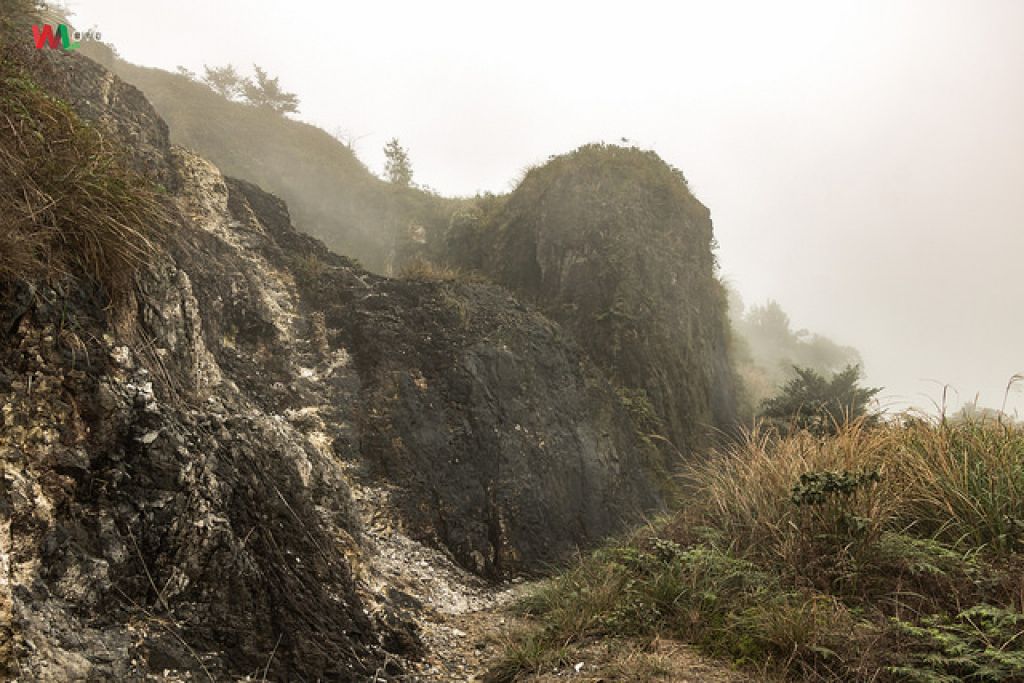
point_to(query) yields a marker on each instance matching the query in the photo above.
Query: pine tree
(265, 92)
(224, 80)
(397, 167)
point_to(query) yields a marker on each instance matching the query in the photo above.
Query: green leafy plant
(817, 488)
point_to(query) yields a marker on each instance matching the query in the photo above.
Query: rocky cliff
(610, 242)
(224, 475)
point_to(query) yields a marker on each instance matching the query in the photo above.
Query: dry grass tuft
(69, 204)
(421, 270)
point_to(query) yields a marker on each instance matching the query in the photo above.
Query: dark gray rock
(609, 242)
(180, 474)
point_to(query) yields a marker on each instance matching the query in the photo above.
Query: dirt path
(464, 621)
(458, 615)
(462, 646)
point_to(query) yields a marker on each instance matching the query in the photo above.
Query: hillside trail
(465, 622)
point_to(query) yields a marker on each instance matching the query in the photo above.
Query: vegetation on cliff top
(330, 193)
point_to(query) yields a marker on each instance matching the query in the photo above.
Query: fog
(863, 161)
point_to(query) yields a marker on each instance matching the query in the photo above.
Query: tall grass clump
(964, 482)
(69, 204)
(785, 499)
(884, 552)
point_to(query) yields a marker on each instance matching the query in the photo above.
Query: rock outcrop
(610, 242)
(179, 477)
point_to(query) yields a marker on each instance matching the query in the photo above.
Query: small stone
(122, 356)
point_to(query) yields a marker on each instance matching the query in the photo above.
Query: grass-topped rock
(610, 242)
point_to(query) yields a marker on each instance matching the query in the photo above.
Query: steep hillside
(243, 455)
(607, 241)
(332, 195)
(610, 242)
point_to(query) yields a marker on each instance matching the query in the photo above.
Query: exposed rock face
(610, 242)
(160, 516)
(101, 97)
(503, 444)
(178, 485)
(507, 447)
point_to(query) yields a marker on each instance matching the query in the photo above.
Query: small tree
(397, 166)
(811, 402)
(223, 80)
(265, 92)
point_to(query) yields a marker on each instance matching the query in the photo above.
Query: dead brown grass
(69, 204)
(422, 270)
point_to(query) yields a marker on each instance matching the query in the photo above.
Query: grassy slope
(330, 193)
(888, 554)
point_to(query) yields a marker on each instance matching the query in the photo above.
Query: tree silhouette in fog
(223, 80)
(265, 92)
(397, 167)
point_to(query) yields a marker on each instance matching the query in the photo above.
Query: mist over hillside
(858, 159)
(332, 194)
(335, 197)
(268, 415)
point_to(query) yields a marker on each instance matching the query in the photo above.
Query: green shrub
(822, 406)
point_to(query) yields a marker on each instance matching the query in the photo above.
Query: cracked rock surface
(277, 464)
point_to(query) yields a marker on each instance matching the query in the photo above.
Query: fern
(982, 643)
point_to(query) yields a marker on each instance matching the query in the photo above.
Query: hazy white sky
(863, 161)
